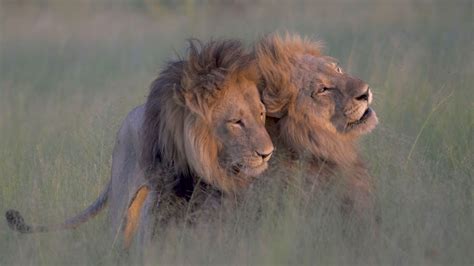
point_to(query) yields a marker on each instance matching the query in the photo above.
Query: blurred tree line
(145, 6)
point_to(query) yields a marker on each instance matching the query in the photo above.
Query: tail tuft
(16, 222)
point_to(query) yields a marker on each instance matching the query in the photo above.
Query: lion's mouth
(247, 170)
(235, 169)
(364, 120)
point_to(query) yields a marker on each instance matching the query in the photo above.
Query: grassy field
(69, 73)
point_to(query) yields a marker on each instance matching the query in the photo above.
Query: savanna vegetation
(71, 70)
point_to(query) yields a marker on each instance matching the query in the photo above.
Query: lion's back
(125, 174)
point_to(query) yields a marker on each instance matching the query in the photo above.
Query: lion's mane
(325, 153)
(278, 61)
(174, 135)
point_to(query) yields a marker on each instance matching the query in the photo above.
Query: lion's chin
(365, 124)
(245, 171)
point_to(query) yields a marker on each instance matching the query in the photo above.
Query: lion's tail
(17, 223)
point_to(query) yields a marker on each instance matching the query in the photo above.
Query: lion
(316, 113)
(201, 128)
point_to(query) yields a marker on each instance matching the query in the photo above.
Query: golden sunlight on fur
(316, 113)
(133, 215)
(200, 130)
(203, 127)
(189, 100)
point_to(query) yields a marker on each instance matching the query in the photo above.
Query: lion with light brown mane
(315, 114)
(201, 130)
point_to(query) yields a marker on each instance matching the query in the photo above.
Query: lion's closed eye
(236, 122)
(321, 90)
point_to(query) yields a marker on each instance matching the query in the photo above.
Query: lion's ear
(275, 105)
(276, 114)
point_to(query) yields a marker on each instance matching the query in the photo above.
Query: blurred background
(71, 70)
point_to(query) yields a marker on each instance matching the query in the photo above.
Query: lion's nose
(365, 95)
(265, 154)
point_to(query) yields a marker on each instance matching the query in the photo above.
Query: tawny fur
(168, 144)
(306, 135)
(180, 149)
(174, 134)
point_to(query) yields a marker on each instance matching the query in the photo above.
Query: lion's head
(320, 107)
(204, 117)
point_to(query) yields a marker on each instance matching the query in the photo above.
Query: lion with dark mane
(201, 129)
(315, 114)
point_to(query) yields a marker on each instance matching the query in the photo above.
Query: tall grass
(69, 72)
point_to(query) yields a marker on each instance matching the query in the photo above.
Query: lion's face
(237, 122)
(204, 118)
(330, 97)
(227, 144)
